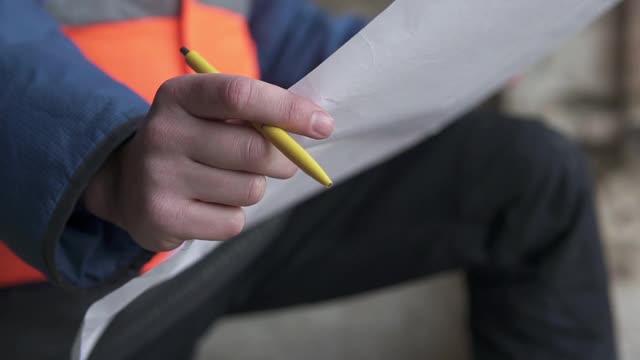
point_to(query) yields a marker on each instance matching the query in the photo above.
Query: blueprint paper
(410, 72)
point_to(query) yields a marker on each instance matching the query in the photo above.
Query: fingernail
(322, 123)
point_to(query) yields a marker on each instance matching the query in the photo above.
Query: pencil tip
(184, 50)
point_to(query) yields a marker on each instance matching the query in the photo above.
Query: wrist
(100, 195)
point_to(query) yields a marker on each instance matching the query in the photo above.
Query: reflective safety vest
(138, 45)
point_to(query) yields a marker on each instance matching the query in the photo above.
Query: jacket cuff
(81, 250)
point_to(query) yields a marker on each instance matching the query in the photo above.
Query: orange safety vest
(142, 54)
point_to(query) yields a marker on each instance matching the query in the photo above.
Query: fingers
(204, 221)
(237, 148)
(194, 220)
(224, 187)
(164, 224)
(217, 96)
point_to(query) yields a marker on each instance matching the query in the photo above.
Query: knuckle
(255, 190)
(254, 149)
(167, 89)
(233, 224)
(291, 110)
(159, 215)
(198, 84)
(160, 127)
(156, 131)
(163, 131)
(237, 93)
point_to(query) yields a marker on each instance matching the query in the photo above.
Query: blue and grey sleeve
(60, 118)
(295, 36)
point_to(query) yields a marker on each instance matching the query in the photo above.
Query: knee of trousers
(547, 164)
(523, 156)
(530, 184)
(550, 184)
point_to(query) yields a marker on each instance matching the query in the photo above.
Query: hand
(187, 172)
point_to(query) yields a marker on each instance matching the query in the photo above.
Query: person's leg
(507, 200)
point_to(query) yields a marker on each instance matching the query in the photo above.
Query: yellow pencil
(278, 137)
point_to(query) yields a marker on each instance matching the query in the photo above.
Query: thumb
(222, 97)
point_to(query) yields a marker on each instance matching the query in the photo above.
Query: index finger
(220, 96)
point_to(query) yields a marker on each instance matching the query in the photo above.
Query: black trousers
(506, 200)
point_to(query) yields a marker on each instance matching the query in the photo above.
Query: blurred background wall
(589, 90)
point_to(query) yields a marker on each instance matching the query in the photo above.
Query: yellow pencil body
(278, 137)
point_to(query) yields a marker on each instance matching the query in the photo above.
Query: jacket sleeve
(295, 36)
(60, 118)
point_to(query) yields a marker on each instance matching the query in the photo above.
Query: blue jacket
(61, 117)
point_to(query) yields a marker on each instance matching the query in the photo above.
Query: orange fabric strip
(220, 36)
(15, 271)
(141, 53)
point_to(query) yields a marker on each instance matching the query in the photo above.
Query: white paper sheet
(411, 71)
